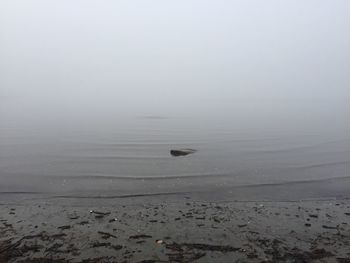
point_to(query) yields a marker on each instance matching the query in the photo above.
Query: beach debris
(54, 248)
(159, 241)
(313, 215)
(64, 227)
(105, 244)
(101, 244)
(106, 235)
(99, 215)
(139, 236)
(183, 254)
(217, 220)
(182, 152)
(318, 254)
(198, 246)
(329, 227)
(329, 216)
(117, 247)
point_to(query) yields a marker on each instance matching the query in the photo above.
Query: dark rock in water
(182, 152)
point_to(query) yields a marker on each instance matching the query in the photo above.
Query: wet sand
(169, 229)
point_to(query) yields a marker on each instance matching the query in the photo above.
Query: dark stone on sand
(182, 152)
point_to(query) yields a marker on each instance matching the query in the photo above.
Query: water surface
(131, 156)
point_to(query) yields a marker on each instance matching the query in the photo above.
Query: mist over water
(94, 95)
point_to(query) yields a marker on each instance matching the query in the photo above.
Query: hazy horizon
(244, 61)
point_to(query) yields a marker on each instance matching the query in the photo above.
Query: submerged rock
(182, 152)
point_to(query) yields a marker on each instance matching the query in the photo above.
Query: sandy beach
(168, 229)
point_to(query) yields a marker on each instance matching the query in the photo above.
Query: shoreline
(175, 229)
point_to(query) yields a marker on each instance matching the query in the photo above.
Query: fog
(174, 130)
(247, 62)
(104, 89)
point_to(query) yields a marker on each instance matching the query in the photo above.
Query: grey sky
(148, 57)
